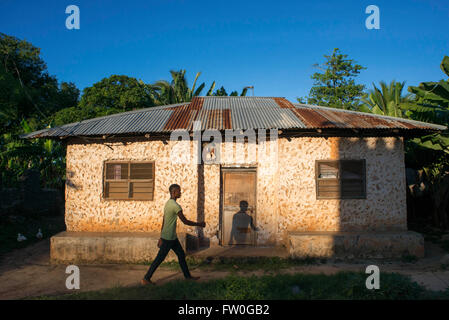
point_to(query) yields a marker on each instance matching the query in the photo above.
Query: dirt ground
(27, 272)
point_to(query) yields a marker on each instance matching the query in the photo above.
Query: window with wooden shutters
(129, 180)
(340, 179)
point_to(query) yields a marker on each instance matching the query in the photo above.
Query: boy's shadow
(242, 224)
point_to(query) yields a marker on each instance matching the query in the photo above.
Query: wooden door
(238, 207)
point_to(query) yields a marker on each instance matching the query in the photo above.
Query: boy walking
(169, 240)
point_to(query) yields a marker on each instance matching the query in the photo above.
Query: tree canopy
(335, 86)
(26, 88)
(118, 92)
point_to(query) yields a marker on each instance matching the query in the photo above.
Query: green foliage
(177, 90)
(118, 92)
(115, 94)
(242, 94)
(28, 97)
(434, 94)
(388, 100)
(222, 92)
(76, 114)
(26, 88)
(336, 87)
(18, 155)
(68, 95)
(431, 104)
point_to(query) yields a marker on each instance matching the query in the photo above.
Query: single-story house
(320, 181)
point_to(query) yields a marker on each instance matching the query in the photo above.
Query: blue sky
(269, 44)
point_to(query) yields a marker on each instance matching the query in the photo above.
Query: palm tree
(388, 100)
(177, 91)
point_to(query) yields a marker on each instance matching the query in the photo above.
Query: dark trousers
(163, 251)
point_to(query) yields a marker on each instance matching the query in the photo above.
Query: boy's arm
(190, 223)
(163, 220)
(159, 243)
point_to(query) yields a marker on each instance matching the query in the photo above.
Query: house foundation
(355, 244)
(107, 247)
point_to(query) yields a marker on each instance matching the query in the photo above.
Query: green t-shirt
(171, 210)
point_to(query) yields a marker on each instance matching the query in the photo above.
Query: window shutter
(116, 186)
(353, 179)
(328, 170)
(340, 179)
(142, 170)
(129, 180)
(328, 185)
(142, 182)
(116, 171)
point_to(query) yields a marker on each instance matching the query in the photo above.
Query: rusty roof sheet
(232, 113)
(326, 117)
(254, 112)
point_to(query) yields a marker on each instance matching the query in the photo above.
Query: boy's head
(175, 191)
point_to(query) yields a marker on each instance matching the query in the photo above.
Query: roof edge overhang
(282, 133)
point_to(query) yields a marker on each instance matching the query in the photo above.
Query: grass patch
(28, 226)
(343, 285)
(242, 264)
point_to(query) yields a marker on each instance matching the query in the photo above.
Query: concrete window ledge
(107, 247)
(382, 244)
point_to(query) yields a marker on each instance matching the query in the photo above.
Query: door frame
(223, 170)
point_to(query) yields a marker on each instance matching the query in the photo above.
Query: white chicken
(39, 234)
(21, 237)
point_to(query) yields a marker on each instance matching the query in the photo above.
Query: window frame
(128, 180)
(340, 196)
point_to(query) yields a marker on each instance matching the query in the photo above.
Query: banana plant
(432, 98)
(432, 105)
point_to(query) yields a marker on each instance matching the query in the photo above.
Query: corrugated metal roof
(232, 113)
(326, 117)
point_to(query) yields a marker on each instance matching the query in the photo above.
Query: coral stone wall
(86, 210)
(262, 156)
(384, 207)
(286, 195)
